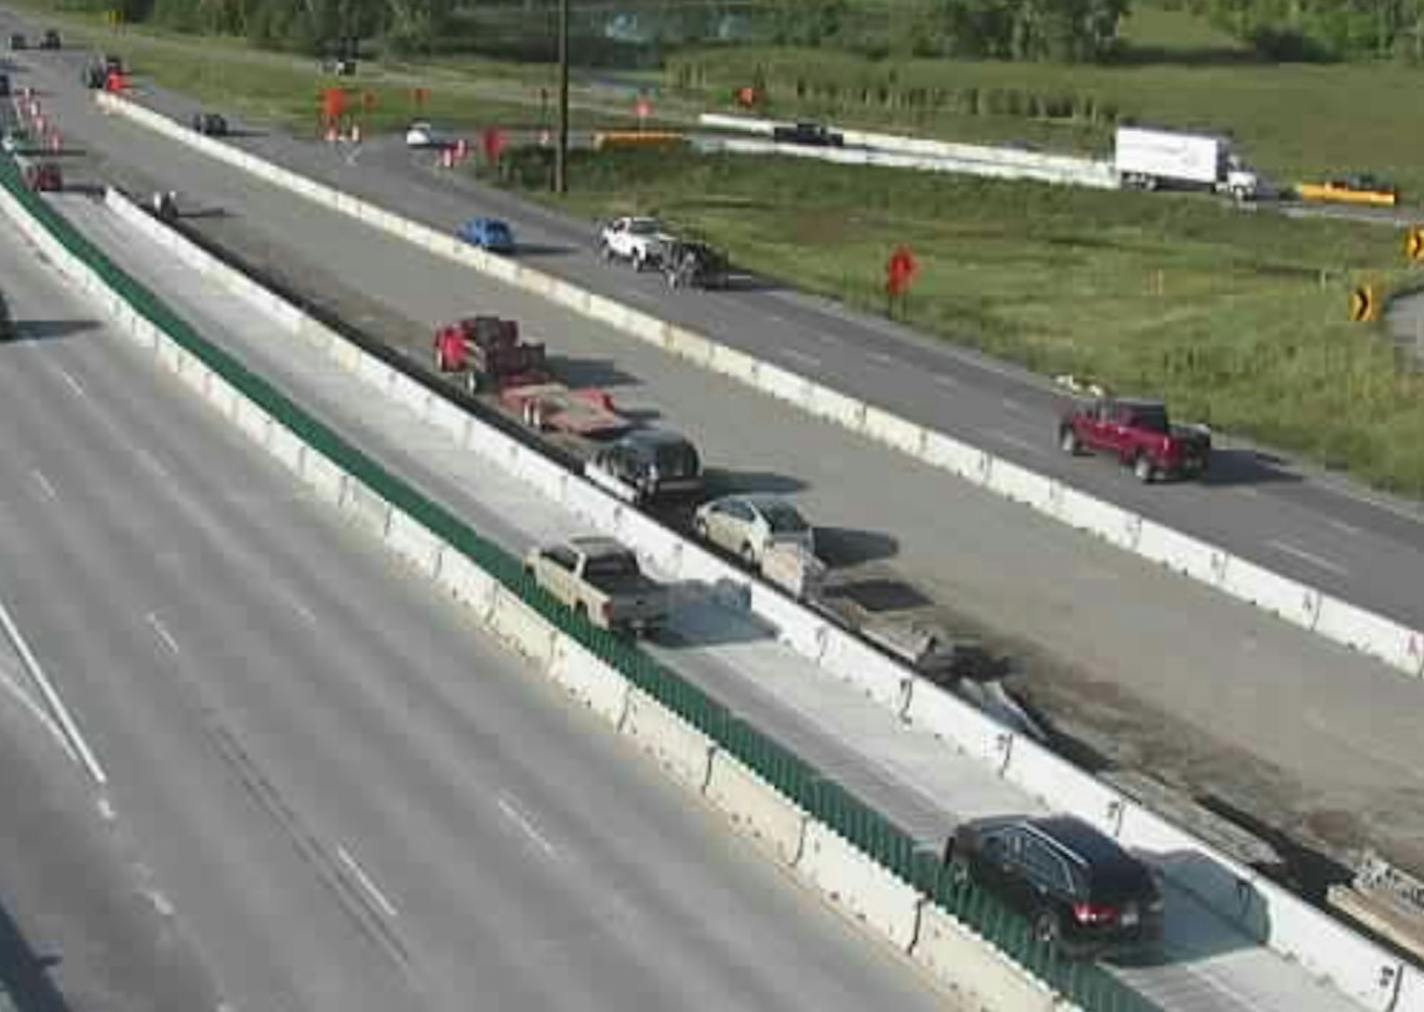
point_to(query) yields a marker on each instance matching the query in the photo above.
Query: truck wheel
(1142, 467)
(699, 527)
(748, 555)
(1068, 440)
(606, 251)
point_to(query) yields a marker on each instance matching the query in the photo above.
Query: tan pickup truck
(600, 578)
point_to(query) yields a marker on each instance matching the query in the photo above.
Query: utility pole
(561, 149)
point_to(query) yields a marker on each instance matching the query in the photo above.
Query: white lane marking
(160, 903)
(1011, 404)
(1343, 527)
(948, 382)
(45, 487)
(74, 740)
(364, 881)
(304, 612)
(162, 633)
(1013, 440)
(74, 384)
(880, 357)
(520, 820)
(800, 356)
(152, 463)
(106, 809)
(1301, 553)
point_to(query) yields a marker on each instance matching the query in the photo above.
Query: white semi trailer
(1149, 159)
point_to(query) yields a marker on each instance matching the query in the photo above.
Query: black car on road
(1078, 888)
(811, 134)
(209, 124)
(647, 464)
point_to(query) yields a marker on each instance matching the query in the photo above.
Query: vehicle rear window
(1152, 419)
(783, 518)
(677, 460)
(1121, 880)
(642, 226)
(611, 566)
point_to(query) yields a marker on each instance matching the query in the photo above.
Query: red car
(1139, 434)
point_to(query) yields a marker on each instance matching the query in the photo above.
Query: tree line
(1323, 29)
(1067, 30)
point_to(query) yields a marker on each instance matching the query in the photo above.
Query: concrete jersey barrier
(1124, 529)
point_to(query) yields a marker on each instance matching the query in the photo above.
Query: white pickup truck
(639, 241)
(600, 579)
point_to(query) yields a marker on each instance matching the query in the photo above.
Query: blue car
(487, 233)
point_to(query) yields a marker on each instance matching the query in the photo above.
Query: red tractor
(488, 350)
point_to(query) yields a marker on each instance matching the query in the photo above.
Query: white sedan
(421, 134)
(750, 525)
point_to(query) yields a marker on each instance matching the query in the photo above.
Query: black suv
(209, 124)
(1077, 887)
(647, 464)
(810, 134)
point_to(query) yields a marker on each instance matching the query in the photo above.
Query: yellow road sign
(1414, 242)
(1364, 303)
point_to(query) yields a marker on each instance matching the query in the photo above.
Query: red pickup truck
(1139, 434)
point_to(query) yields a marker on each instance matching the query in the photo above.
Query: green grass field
(1238, 319)
(1293, 121)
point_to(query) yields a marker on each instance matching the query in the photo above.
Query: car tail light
(1094, 913)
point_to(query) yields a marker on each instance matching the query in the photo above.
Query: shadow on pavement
(726, 481)
(589, 372)
(536, 249)
(840, 547)
(879, 595)
(41, 330)
(706, 615)
(1237, 917)
(24, 973)
(1246, 467)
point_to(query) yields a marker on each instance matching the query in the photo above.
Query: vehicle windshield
(611, 565)
(677, 460)
(1153, 419)
(642, 226)
(782, 517)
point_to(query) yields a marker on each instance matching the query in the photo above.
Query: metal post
(561, 149)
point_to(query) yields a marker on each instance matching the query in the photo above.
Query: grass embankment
(1294, 122)
(1238, 319)
(1224, 313)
